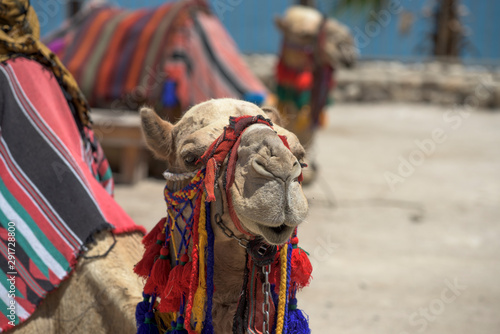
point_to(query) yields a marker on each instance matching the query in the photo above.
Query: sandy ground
(404, 222)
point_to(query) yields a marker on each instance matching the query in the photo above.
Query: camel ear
(157, 132)
(273, 115)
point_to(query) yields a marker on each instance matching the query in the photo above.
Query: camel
(313, 47)
(266, 195)
(101, 294)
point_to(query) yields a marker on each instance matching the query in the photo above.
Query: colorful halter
(183, 281)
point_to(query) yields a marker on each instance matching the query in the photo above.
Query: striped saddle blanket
(55, 189)
(178, 54)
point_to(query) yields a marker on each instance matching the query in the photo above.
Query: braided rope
(200, 296)
(208, 326)
(283, 291)
(194, 273)
(288, 277)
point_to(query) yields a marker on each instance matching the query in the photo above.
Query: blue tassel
(254, 97)
(149, 325)
(179, 327)
(169, 97)
(141, 310)
(298, 321)
(208, 327)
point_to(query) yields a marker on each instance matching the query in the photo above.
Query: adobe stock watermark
(421, 318)
(129, 101)
(325, 247)
(11, 274)
(424, 148)
(47, 10)
(222, 6)
(373, 27)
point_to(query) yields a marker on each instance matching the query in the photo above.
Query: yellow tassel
(200, 296)
(280, 321)
(166, 319)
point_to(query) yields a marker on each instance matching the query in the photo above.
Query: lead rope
(266, 305)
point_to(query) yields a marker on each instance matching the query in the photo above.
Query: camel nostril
(260, 168)
(296, 171)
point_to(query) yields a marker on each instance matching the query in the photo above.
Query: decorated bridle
(183, 281)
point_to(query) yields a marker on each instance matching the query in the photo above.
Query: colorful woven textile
(50, 200)
(20, 34)
(178, 54)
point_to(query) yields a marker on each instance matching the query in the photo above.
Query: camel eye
(190, 159)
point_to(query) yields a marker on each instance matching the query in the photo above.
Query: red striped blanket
(54, 188)
(175, 54)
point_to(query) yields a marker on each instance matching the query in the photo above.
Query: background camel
(313, 47)
(266, 195)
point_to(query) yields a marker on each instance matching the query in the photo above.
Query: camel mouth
(279, 229)
(276, 235)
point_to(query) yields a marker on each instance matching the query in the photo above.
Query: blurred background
(405, 32)
(404, 223)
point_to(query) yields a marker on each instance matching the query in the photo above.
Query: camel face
(300, 26)
(266, 194)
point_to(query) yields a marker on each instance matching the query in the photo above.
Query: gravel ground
(403, 229)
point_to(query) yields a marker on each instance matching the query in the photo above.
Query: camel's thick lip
(276, 235)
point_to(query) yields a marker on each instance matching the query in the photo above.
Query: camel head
(266, 195)
(300, 26)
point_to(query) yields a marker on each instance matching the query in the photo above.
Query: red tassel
(161, 269)
(274, 276)
(152, 236)
(149, 287)
(186, 277)
(301, 266)
(143, 267)
(176, 287)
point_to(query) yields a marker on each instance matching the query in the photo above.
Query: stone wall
(434, 82)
